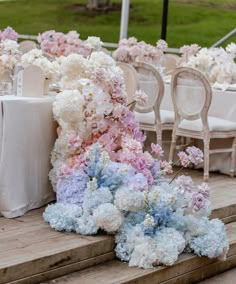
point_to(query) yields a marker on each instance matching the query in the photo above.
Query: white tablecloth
(27, 135)
(223, 106)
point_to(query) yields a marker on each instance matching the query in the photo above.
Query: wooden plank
(51, 254)
(205, 272)
(54, 273)
(114, 272)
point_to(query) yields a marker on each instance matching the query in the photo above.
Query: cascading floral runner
(104, 180)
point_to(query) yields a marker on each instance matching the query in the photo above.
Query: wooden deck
(31, 252)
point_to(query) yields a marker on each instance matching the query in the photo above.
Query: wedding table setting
(87, 141)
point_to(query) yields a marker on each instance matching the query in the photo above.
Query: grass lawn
(194, 21)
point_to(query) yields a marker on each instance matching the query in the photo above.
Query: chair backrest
(30, 82)
(27, 45)
(169, 62)
(191, 95)
(131, 81)
(152, 84)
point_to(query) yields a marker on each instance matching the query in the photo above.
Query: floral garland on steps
(105, 181)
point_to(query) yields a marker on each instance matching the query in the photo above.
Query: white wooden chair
(27, 45)
(191, 95)
(150, 116)
(131, 81)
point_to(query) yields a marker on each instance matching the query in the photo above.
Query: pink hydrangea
(195, 155)
(74, 141)
(183, 157)
(188, 50)
(132, 145)
(8, 33)
(166, 167)
(185, 183)
(197, 202)
(162, 44)
(65, 171)
(60, 44)
(204, 190)
(157, 150)
(141, 97)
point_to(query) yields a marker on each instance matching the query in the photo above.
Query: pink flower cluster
(140, 97)
(188, 50)
(192, 155)
(131, 50)
(60, 44)
(8, 33)
(200, 199)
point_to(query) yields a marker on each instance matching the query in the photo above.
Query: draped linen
(27, 136)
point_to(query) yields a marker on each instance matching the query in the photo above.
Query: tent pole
(124, 19)
(164, 19)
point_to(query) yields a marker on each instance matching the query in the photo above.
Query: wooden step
(32, 252)
(227, 277)
(188, 269)
(28, 246)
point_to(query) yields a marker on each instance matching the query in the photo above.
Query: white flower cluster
(216, 63)
(36, 57)
(129, 200)
(9, 55)
(149, 252)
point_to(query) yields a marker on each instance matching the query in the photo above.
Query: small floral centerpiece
(8, 33)
(216, 63)
(36, 57)
(131, 50)
(104, 180)
(9, 56)
(60, 44)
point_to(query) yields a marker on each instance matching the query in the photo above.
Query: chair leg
(206, 158)
(159, 138)
(233, 158)
(172, 147)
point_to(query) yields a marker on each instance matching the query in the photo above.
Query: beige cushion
(167, 116)
(215, 124)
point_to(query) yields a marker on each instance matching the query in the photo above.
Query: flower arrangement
(60, 44)
(105, 181)
(36, 57)
(216, 63)
(9, 55)
(8, 33)
(131, 50)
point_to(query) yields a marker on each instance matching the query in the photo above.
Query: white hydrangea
(144, 254)
(9, 45)
(73, 66)
(129, 200)
(164, 248)
(169, 244)
(158, 193)
(68, 108)
(94, 42)
(231, 48)
(108, 217)
(101, 59)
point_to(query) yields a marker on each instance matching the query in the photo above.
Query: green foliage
(203, 21)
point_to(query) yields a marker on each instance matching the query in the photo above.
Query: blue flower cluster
(151, 225)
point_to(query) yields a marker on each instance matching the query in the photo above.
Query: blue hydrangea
(213, 243)
(71, 189)
(62, 217)
(86, 225)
